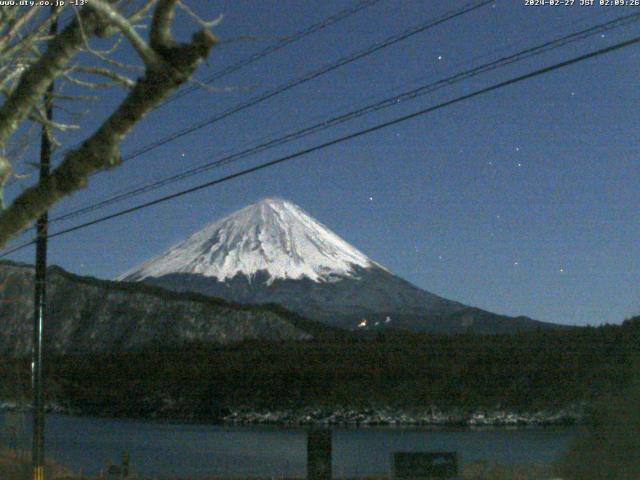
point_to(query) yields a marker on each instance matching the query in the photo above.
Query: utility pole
(40, 300)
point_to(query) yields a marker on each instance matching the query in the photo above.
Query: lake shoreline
(349, 417)
(342, 417)
(164, 449)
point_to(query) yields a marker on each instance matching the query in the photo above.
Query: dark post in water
(319, 455)
(424, 465)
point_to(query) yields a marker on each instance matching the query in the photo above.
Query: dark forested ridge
(536, 370)
(88, 315)
(380, 299)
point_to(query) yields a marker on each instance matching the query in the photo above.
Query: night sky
(523, 201)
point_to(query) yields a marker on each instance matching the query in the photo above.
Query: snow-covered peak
(272, 235)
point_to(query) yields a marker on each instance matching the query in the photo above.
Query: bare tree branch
(16, 25)
(105, 72)
(36, 79)
(148, 54)
(5, 173)
(36, 32)
(160, 36)
(176, 64)
(202, 23)
(142, 11)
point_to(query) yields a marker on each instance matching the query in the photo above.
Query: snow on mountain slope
(272, 235)
(274, 252)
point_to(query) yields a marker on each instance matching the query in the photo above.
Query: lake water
(161, 449)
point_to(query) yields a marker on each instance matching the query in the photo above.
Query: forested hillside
(545, 369)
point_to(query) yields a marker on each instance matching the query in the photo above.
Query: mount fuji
(274, 252)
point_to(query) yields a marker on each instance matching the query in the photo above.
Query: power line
(389, 41)
(288, 40)
(385, 103)
(311, 76)
(300, 153)
(341, 15)
(392, 40)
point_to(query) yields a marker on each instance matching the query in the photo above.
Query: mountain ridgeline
(87, 315)
(274, 252)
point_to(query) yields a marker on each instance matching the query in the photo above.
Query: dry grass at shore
(487, 471)
(16, 465)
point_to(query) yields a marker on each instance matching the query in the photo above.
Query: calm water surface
(160, 449)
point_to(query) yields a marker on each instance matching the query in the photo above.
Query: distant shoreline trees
(523, 372)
